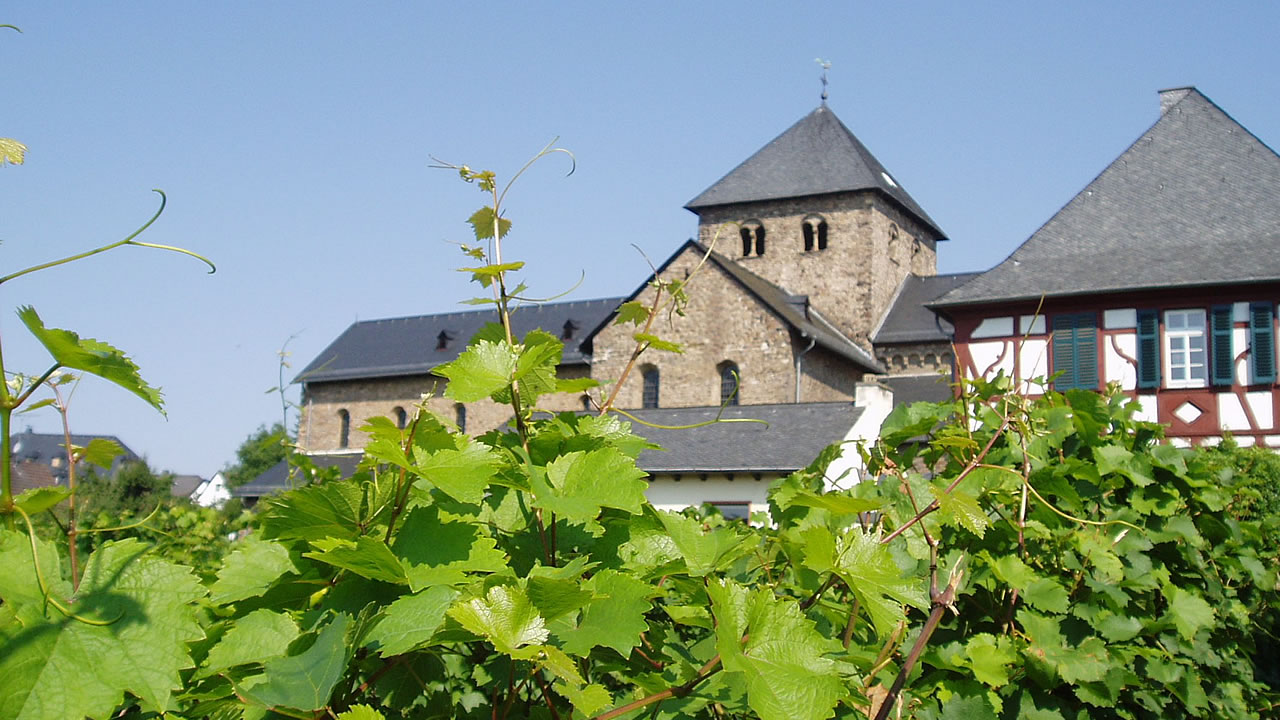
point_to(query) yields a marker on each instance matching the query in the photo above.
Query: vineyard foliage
(1005, 557)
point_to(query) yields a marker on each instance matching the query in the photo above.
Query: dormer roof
(816, 156)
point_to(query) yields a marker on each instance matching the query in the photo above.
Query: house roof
(794, 435)
(909, 319)
(31, 474)
(43, 447)
(184, 485)
(794, 310)
(816, 156)
(908, 389)
(1195, 201)
(409, 345)
(275, 479)
(49, 448)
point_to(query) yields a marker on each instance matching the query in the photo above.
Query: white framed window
(1185, 349)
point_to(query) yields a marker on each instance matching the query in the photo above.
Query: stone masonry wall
(722, 322)
(826, 376)
(321, 425)
(871, 247)
(915, 358)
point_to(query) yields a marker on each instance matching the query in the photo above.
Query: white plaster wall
(985, 353)
(1147, 409)
(876, 402)
(1117, 369)
(1231, 415)
(1033, 362)
(1263, 410)
(1240, 341)
(665, 493)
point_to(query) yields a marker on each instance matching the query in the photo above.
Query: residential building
(1161, 276)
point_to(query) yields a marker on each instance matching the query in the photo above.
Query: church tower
(815, 212)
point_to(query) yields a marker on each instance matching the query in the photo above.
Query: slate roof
(1195, 201)
(816, 156)
(184, 485)
(909, 389)
(275, 479)
(909, 319)
(793, 309)
(794, 436)
(45, 448)
(408, 345)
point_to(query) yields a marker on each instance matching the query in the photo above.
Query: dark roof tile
(411, 345)
(1195, 201)
(908, 319)
(816, 156)
(791, 439)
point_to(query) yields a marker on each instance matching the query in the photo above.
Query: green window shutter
(1075, 351)
(1148, 349)
(1262, 341)
(1222, 356)
(1064, 354)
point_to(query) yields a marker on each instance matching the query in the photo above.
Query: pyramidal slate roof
(412, 345)
(816, 156)
(1195, 201)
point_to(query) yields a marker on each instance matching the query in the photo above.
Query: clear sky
(294, 141)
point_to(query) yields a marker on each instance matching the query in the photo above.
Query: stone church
(808, 312)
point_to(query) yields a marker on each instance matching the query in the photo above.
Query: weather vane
(826, 65)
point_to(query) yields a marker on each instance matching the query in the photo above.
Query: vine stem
(973, 464)
(129, 240)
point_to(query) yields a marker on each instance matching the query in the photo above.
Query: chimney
(1172, 96)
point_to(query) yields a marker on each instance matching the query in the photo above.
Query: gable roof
(275, 479)
(816, 156)
(50, 448)
(408, 345)
(793, 437)
(794, 310)
(909, 319)
(1195, 201)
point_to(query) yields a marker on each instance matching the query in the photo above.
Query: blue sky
(294, 141)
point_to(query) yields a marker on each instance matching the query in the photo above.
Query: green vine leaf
(92, 356)
(482, 223)
(306, 680)
(636, 313)
(788, 676)
(578, 484)
(37, 500)
(658, 343)
(463, 473)
(961, 509)
(411, 621)
(439, 551)
(255, 638)
(505, 617)
(615, 618)
(703, 552)
(12, 152)
(481, 370)
(250, 570)
(364, 556)
(55, 667)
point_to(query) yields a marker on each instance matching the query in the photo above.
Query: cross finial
(826, 65)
